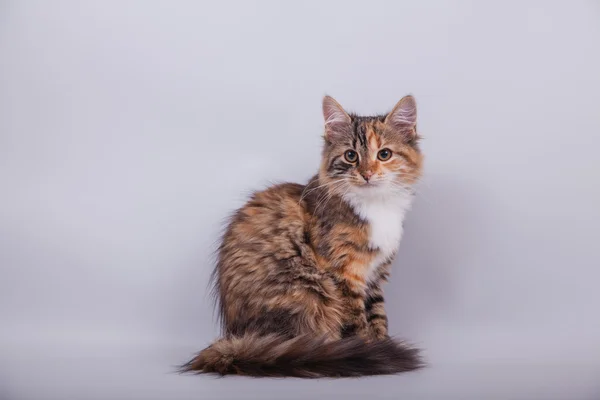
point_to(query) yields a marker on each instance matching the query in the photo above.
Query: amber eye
(384, 154)
(351, 156)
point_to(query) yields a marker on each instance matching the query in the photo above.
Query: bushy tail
(304, 357)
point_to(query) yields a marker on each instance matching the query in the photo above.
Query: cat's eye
(351, 156)
(384, 154)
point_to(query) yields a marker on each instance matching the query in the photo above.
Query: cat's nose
(367, 175)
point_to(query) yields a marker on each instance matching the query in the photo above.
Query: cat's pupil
(384, 154)
(351, 156)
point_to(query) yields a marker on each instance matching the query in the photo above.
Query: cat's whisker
(411, 190)
(328, 193)
(306, 192)
(326, 198)
(331, 193)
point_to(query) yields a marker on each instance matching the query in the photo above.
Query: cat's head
(370, 156)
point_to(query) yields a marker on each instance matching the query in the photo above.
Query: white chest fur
(384, 215)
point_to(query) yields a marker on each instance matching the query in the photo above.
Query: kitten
(300, 267)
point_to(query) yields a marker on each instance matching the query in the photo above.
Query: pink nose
(367, 175)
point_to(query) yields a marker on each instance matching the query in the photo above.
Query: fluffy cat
(300, 267)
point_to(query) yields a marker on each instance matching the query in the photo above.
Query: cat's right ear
(337, 121)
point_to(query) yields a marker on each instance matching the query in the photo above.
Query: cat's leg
(375, 307)
(312, 297)
(375, 312)
(355, 318)
(286, 296)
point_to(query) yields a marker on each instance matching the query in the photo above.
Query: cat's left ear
(403, 118)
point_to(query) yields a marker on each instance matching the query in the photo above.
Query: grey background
(129, 130)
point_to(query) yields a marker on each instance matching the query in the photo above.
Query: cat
(300, 267)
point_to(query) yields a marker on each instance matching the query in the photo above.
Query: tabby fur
(300, 267)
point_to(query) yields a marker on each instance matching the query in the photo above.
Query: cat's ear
(403, 118)
(337, 121)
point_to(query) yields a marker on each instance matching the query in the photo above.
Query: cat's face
(370, 156)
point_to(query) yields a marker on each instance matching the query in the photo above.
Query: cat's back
(267, 274)
(279, 204)
(273, 221)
